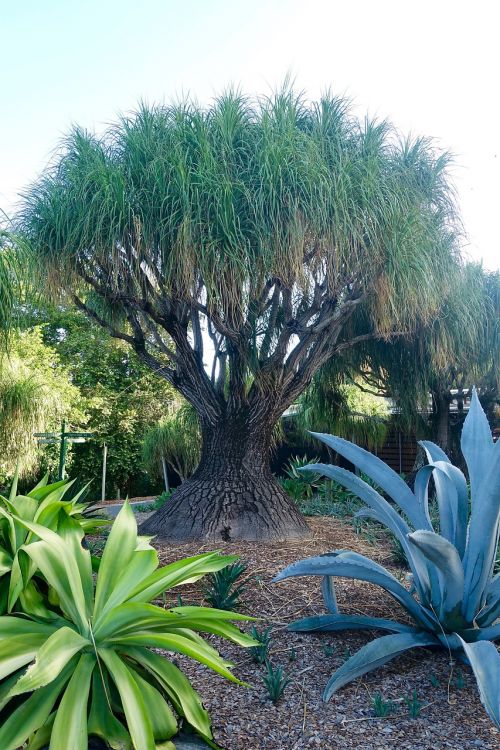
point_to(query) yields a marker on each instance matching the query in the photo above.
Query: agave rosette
(45, 506)
(90, 669)
(455, 596)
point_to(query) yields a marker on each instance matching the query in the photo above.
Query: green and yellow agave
(455, 596)
(90, 670)
(44, 505)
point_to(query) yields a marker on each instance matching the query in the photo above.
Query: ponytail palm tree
(240, 247)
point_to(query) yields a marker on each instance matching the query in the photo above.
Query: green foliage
(91, 670)
(260, 653)
(455, 597)
(382, 708)
(122, 399)
(220, 590)
(332, 405)
(36, 392)
(276, 682)
(21, 586)
(177, 439)
(299, 486)
(414, 705)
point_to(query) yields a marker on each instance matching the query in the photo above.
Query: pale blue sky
(431, 67)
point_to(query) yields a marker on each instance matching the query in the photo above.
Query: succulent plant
(454, 599)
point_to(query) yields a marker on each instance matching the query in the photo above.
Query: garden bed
(450, 716)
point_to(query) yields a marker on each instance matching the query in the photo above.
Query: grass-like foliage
(260, 653)
(455, 596)
(86, 667)
(220, 589)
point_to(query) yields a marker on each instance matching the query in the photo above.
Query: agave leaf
(329, 596)
(70, 724)
(181, 643)
(162, 719)
(31, 714)
(180, 691)
(477, 445)
(380, 473)
(434, 452)
(102, 722)
(485, 662)
(445, 557)
(336, 622)
(484, 527)
(374, 655)
(180, 572)
(137, 715)
(41, 739)
(41, 491)
(142, 564)
(117, 554)
(19, 650)
(352, 565)
(51, 659)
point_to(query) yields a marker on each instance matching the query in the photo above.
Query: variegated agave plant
(455, 596)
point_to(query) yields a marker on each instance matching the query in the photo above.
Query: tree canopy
(237, 248)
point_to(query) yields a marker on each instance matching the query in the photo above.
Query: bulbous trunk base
(250, 508)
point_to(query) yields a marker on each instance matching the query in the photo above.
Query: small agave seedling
(455, 596)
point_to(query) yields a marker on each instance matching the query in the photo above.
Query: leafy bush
(20, 583)
(220, 590)
(91, 668)
(455, 597)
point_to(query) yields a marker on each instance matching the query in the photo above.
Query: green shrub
(92, 670)
(455, 596)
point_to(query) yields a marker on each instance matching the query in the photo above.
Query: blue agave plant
(455, 596)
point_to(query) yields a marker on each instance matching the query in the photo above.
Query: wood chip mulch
(244, 719)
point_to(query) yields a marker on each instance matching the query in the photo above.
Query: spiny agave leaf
(477, 445)
(445, 557)
(485, 662)
(380, 473)
(334, 623)
(352, 565)
(374, 655)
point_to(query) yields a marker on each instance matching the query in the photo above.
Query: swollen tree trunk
(232, 494)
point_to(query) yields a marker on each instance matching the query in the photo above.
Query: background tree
(122, 400)
(35, 394)
(281, 232)
(175, 440)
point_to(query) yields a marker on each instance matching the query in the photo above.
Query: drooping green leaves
(89, 667)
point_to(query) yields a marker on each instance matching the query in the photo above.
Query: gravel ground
(244, 719)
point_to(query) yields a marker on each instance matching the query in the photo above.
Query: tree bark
(441, 419)
(232, 494)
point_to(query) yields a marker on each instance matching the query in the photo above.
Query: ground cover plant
(91, 669)
(455, 597)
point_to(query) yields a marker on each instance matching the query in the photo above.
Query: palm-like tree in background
(279, 232)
